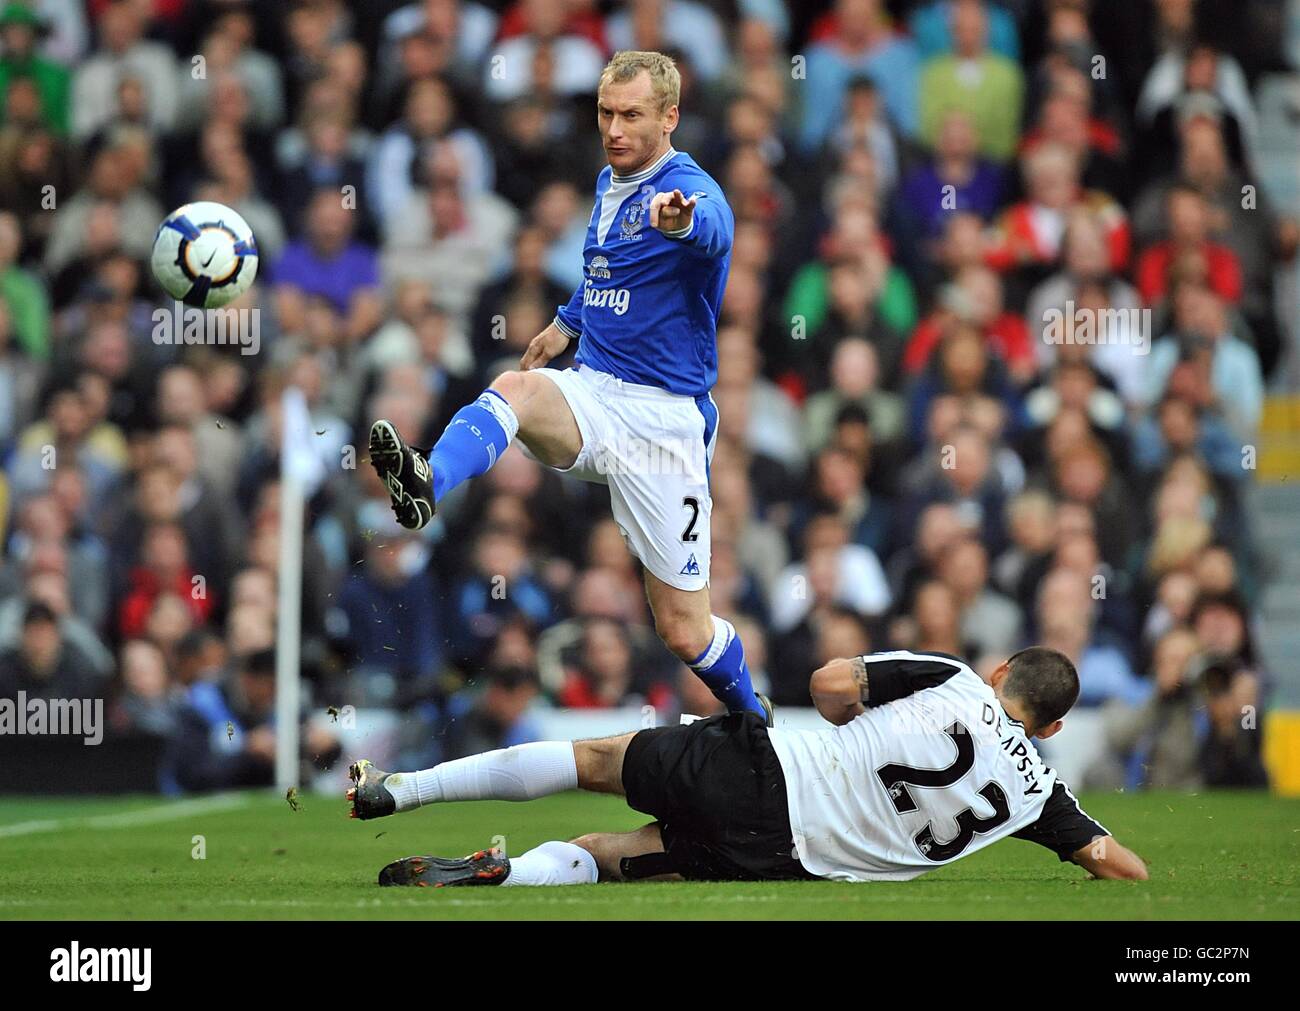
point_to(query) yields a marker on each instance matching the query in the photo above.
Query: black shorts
(717, 790)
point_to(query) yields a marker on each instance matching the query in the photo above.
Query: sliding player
(924, 764)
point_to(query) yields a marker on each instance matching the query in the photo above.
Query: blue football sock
(472, 442)
(722, 668)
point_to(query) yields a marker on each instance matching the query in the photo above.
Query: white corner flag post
(301, 472)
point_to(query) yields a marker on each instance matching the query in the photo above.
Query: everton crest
(633, 221)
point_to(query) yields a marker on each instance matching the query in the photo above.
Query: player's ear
(671, 118)
(999, 673)
(1050, 730)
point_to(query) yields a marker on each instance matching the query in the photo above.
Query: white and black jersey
(934, 770)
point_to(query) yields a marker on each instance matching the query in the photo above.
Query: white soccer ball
(205, 255)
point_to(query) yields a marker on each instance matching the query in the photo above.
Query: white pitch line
(28, 827)
(129, 819)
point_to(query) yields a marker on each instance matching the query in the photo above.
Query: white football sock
(523, 772)
(553, 863)
(723, 632)
(499, 407)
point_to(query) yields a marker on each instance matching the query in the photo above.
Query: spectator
(496, 718)
(124, 51)
(833, 571)
(986, 85)
(544, 56)
(681, 25)
(839, 489)
(430, 116)
(20, 29)
(975, 297)
(1065, 620)
(989, 621)
(854, 38)
(1188, 239)
(1197, 80)
(1067, 117)
(329, 263)
(393, 581)
(164, 569)
(855, 381)
(866, 129)
(1086, 280)
(1162, 734)
(49, 537)
(826, 635)
(1203, 361)
(1230, 755)
(447, 236)
(225, 736)
(68, 430)
(19, 381)
(146, 705)
(229, 48)
(955, 179)
(1028, 234)
(44, 663)
(22, 294)
(960, 473)
(601, 675)
(500, 586)
(1031, 529)
(45, 581)
(935, 622)
(930, 24)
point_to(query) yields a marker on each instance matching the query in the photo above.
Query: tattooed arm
(844, 689)
(839, 689)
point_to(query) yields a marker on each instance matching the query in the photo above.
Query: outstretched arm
(1069, 833)
(701, 221)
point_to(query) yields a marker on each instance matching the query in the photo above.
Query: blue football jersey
(647, 309)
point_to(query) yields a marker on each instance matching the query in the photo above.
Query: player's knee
(513, 386)
(685, 635)
(597, 844)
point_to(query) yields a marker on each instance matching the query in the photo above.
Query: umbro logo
(691, 568)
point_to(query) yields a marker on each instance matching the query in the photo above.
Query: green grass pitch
(1212, 856)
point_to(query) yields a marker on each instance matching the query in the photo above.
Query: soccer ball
(205, 255)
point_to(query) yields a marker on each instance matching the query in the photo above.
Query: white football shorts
(653, 449)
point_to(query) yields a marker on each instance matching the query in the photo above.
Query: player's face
(632, 128)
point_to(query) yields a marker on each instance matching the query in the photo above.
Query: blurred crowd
(904, 459)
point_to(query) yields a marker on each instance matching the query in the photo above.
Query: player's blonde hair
(665, 81)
